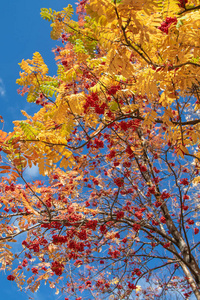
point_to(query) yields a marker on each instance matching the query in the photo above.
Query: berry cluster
(182, 3)
(167, 23)
(57, 268)
(92, 101)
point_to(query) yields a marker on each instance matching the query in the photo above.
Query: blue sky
(23, 32)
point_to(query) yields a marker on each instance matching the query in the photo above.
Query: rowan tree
(116, 137)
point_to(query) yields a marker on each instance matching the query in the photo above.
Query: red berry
(11, 277)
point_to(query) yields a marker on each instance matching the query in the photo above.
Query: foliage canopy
(117, 136)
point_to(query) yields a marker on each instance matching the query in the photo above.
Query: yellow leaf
(27, 205)
(57, 292)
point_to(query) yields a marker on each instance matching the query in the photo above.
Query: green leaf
(113, 105)
(48, 14)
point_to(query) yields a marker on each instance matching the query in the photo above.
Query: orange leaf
(5, 167)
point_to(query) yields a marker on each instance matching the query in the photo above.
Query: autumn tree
(117, 136)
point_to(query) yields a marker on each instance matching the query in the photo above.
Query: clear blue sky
(23, 32)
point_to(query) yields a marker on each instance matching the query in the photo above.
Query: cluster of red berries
(35, 245)
(103, 229)
(57, 268)
(131, 286)
(119, 181)
(113, 89)
(125, 125)
(136, 227)
(98, 143)
(77, 247)
(41, 100)
(184, 181)
(119, 215)
(92, 101)
(34, 270)
(91, 224)
(114, 254)
(59, 239)
(167, 23)
(53, 224)
(11, 277)
(182, 3)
